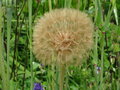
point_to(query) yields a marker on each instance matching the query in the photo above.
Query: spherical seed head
(63, 33)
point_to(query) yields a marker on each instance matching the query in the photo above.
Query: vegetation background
(19, 69)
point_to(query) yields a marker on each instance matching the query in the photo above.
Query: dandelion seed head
(64, 33)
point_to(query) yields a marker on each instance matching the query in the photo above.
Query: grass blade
(30, 32)
(9, 19)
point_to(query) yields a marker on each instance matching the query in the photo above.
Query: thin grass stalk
(61, 77)
(30, 39)
(55, 2)
(2, 67)
(50, 5)
(96, 48)
(99, 21)
(85, 4)
(96, 57)
(107, 19)
(9, 18)
(67, 3)
(98, 12)
(119, 77)
(6, 2)
(15, 45)
(49, 85)
(102, 62)
(115, 10)
(14, 2)
(78, 4)
(118, 85)
(61, 3)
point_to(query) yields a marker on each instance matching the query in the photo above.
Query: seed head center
(62, 42)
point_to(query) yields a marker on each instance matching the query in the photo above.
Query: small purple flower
(38, 86)
(98, 69)
(42, 65)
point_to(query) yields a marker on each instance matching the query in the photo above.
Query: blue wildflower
(42, 65)
(98, 69)
(38, 86)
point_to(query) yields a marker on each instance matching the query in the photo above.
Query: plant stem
(102, 64)
(61, 77)
(9, 18)
(30, 32)
(2, 67)
(50, 5)
(96, 57)
(67, 3)
(78, 5)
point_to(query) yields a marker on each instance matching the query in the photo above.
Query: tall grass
(9, 19)
(2, 65)
(50, 5)
(30, 40)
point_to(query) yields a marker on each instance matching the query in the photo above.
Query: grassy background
(19, 69)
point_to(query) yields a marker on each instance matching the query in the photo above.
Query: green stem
(50, 5)
(30, 31)
(98, 12)
(67, 3)
(78, 5)
(9, 18)
(102, 64)
(2, 67)
(61, 76)
(96, 57)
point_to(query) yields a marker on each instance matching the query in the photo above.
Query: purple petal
(38, 86)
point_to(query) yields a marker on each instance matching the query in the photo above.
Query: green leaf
(116, 47)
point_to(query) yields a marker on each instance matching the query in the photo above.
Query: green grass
(30, 40)
(2, 66)
(19, 69)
